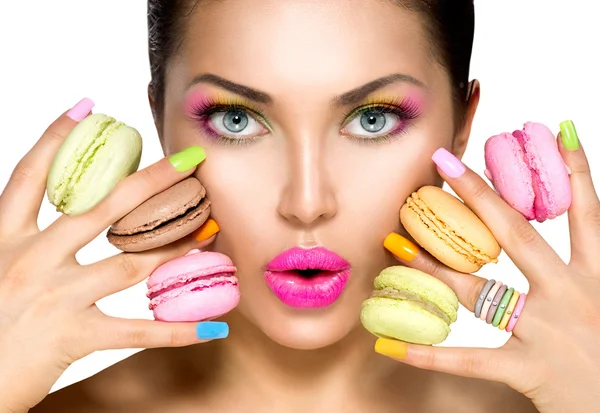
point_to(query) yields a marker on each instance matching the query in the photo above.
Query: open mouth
(310, 273)
(307, 275)
(307, 278)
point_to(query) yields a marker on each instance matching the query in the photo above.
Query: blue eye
(373, 123)
(235, 122)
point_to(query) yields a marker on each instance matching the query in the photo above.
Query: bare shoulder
(131, 382)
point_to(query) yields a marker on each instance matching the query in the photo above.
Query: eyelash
(202, 110)
(406, 110)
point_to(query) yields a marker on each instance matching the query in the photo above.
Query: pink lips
(307, 278)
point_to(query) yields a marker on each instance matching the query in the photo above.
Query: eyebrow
(247, 92)
(360, 93)
(354, 96)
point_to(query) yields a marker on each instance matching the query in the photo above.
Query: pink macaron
(528, 172)
(198, 286)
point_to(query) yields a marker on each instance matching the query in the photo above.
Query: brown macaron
(162, 219)
(449, 230)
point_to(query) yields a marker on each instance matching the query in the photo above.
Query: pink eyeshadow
(195, 99)
(415, 99)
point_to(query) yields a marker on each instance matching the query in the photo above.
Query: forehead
(334, 44)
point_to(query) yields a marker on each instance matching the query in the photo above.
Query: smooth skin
(303, 183)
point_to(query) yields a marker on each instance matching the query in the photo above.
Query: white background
(537, 60)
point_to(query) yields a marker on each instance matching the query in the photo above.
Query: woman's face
(318, 120)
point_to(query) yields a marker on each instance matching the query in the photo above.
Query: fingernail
(391, 348)
(207, 230)
(401, 247)
(188, 158)
(569, 136)
(211, 330)
(448, 163)
(80, 111)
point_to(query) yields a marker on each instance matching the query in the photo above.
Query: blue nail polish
(210, 330)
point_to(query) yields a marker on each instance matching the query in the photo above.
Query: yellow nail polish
(401, 247)
(391, 348)
(207, 230)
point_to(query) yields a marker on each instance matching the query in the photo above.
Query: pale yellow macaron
(97, 154)
(411, 306)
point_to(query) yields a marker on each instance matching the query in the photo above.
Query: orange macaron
(449, 230)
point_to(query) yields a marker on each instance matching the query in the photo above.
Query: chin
(301, 328)
(303, 298)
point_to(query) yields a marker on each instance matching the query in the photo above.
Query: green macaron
(410, 306)
(96, 155)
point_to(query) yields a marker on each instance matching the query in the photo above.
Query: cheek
(243, 190)
(372, 192)
(238, 183)
(238, 178)
(381, 180)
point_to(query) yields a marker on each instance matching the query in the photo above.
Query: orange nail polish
(401, 247)
(207, 230)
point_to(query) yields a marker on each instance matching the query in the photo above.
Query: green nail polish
(188, 158)
(569, 136)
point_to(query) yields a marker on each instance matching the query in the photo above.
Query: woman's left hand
(553, 356)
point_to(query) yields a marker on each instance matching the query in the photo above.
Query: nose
(308, 197)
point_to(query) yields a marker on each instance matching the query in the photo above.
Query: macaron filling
(394, 294)
(188, 212)
(446, 233)
(528, 171)
(542, 195)
(83, 158)
(191, 282)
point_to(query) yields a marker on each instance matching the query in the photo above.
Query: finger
(523, 244)
(118, 333)
(584, 212)
(20, 202)
(124, 270)
(466, 286)
(126, 196)
(479, 363)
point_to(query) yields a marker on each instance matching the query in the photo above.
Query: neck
(252, 357)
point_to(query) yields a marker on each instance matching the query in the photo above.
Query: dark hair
(450, 25)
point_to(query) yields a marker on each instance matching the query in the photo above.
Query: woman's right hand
(48, 316)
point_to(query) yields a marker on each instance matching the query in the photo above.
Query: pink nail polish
(81, 109)
(448, 163)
